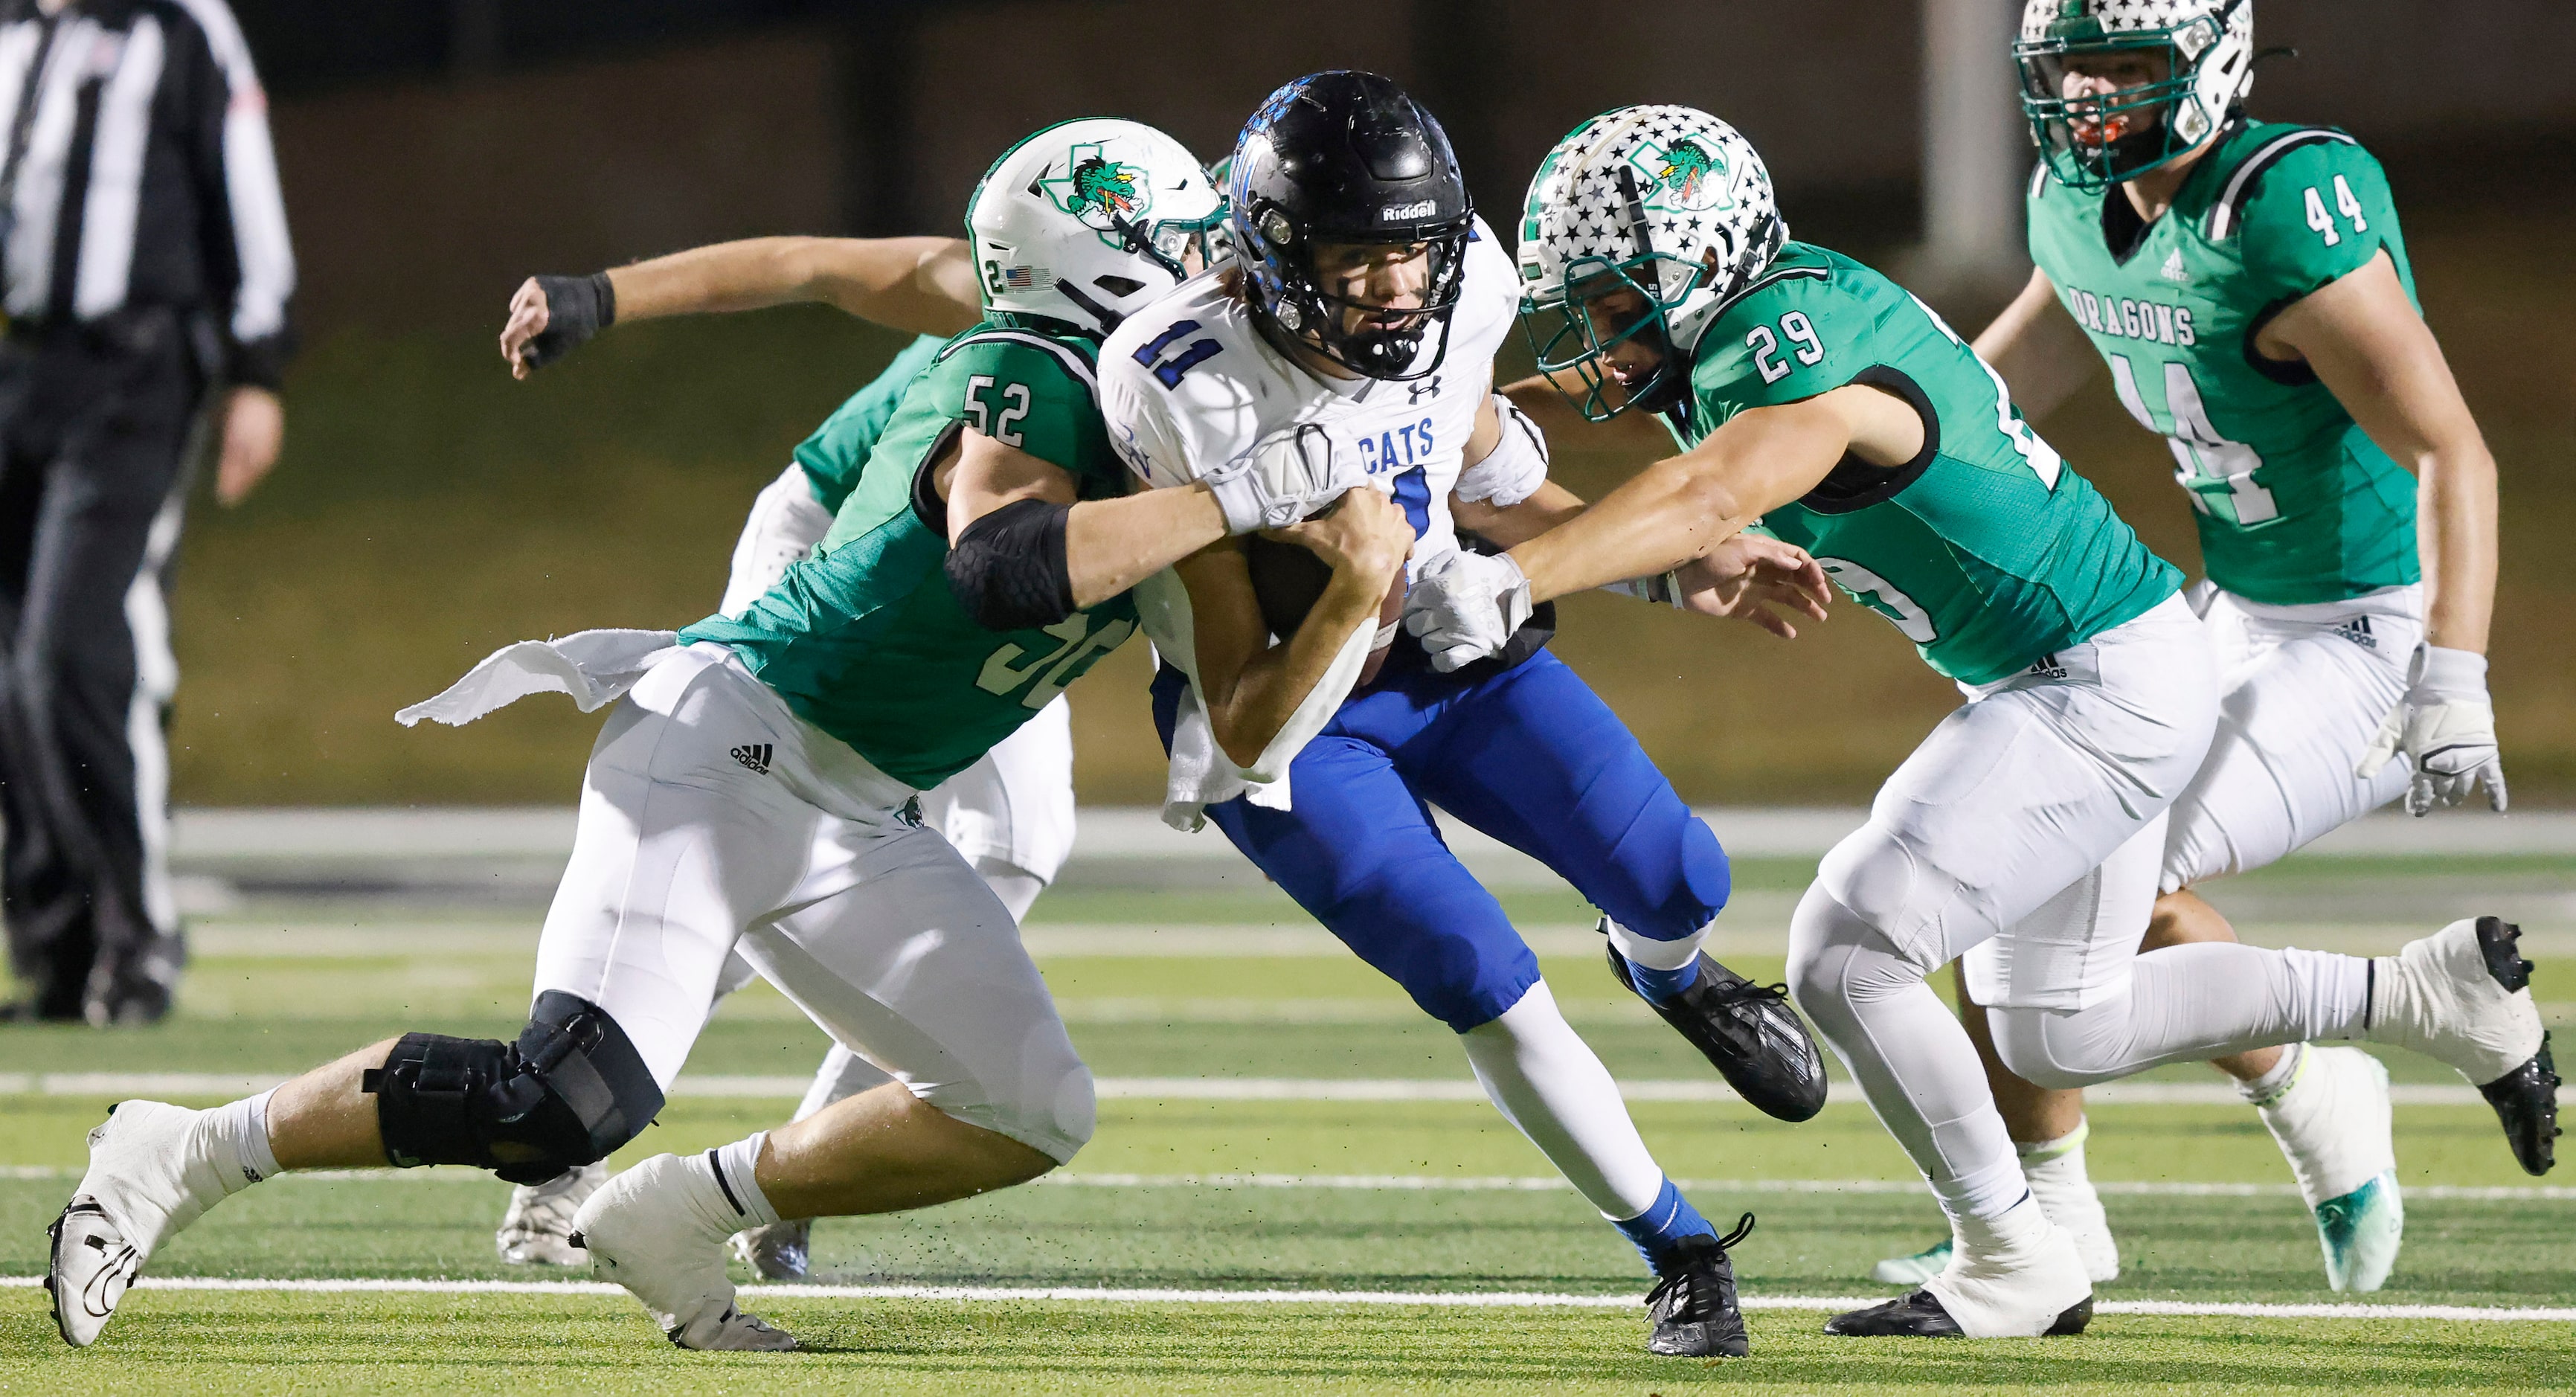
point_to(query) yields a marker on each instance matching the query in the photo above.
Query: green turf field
(1230, 1168)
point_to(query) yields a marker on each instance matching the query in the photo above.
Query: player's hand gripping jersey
(1985, 550)
(865, 639)
(1190, 384)
(2295, 504)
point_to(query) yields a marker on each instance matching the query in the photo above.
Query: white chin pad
(1653, 954)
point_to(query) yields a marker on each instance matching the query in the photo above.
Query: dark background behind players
(144, 256)
(437, 151)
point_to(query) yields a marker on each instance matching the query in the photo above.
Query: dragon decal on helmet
(2195, 61)
(1088, 220)
(1641, 225)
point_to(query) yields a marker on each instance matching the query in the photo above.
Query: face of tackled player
(1375, 291)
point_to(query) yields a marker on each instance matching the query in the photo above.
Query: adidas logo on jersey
(2357, 630)
(2048, 668)
(754, 755)
(2173, 269)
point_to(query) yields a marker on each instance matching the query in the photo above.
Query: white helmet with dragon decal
(1641, 225)
(2115, 88)
(1088, 220)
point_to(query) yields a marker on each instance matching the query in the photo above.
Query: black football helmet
(1345, 157)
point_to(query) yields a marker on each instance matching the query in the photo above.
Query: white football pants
(1010, 814)
(714, 820)
(2303, 690)
(2025, 835)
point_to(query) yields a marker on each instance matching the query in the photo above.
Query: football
(1287, 579)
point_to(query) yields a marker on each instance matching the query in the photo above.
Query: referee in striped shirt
(144, 271)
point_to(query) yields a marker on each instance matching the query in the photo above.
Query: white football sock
(2268, 1088)
(233, 1139)
(2065, 1192)
(1547, 1082)
(1654, 954)
(736, 1169)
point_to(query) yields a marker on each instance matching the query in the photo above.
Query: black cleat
(2500, 943)
(2526, 1101)
(2526, 1098)
(1693, 1305)
(1748, 1033)
(1920, 1316)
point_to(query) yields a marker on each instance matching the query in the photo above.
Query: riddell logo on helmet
(1392, 212)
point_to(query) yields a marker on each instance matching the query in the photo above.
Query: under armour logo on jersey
(2357, 630)
(754, 755)
(1416, 392)
(2173, 269)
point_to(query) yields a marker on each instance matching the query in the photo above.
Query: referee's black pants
(97, 428)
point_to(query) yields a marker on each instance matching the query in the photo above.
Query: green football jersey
(2294, 502)
(865, 639)
(1985, 550)
(833, 456)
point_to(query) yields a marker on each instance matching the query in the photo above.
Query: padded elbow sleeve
(1008, 568)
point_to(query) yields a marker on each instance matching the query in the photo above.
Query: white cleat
(2023, 1291)
(2444, 997)
(2334, 1126)
(2360, 1232)
(537, 1230)
(2032, 1288)
(659, 1229)
(781, 1251)
(2072, 1205)
(142, 1186)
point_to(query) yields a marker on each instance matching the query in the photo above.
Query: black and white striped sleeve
(250, 263)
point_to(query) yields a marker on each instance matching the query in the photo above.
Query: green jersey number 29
(2218, 473)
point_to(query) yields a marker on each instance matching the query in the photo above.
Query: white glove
(1466, 606)
(1286, 476)
(2445, 727)
(785, 524)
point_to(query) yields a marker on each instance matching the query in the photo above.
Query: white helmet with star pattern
(1668, 202)
(2192, 61)
(1087, 221)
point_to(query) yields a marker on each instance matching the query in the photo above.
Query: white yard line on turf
(198, 1084)
(1442, 1299)
(1473, 1183)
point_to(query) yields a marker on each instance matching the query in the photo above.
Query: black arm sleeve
(1008, 568)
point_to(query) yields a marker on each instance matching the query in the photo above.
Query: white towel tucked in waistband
(595, 667)
(1201, 773)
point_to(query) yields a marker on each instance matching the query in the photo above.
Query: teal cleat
(1916, 1269)
(2360, 1232)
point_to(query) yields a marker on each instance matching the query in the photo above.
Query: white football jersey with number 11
(1189, 383)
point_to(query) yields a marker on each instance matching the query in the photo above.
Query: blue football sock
(1660, 985)
(1659, 1227)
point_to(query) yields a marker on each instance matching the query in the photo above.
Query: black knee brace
(571, 1090)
